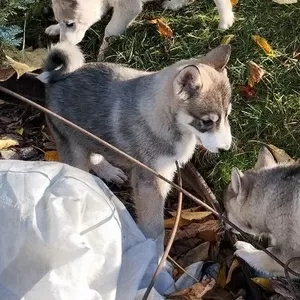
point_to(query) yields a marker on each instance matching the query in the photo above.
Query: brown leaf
(19, 67)
(235, 264)
(200, 253)
(169, 223)
(255, 73)
(227, 39)
(263, 283)
(247, 91)
(195, 292)
(6, 73)
(163, 29)
(221, 279)
(51, 156)
(279, 154)
(193, 216)
(234, 2)
(207, 231)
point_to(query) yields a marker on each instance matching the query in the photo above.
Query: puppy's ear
(265, 159)
(236, 180)
(187, 83)
(218, 57)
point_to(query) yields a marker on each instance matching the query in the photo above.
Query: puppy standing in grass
(75, 17)
(266, 200)
(156, 117)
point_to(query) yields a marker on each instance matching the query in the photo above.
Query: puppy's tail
(63, 58)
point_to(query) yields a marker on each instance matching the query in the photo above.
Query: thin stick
(177, 187)
(181, 268)
(171, 240)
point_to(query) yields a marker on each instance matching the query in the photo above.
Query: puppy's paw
(53, 30)
(226, 21)
(114, 175)
(240, 245)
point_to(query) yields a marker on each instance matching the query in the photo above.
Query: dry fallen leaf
(20, 131)
(6, 143)
(235, 264)
(195, 292)
(51, 156)
(193, 216)
(227, 39)
(169, 223)
(21, 62)
(207, 231)
(279, 154)
(256, 73)
(285, 1)
(6, 73)
(263, 283)
(221, 279)
(199, 253)
(234, 2)
(163, 29)
(247, 91)
(263, 44)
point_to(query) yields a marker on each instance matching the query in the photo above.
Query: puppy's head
(202, 90)
(175, 4)
(242, 197)
(74, 18)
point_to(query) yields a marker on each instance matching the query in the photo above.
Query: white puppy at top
(75, 17)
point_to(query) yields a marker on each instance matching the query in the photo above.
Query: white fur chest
(165, 165)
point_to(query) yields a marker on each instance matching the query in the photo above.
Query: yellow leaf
(279, 154)
(6, 143)
(233, 266)
(163, 29)
(20, 131)
(221, 279)
(285, 1)
(264, 283)
(24, 61)
(169, 223)
(263, 44)
(227, 39)
(234, 2)
(193, 216)
(20, 68)
(256, 73)
(51, 156)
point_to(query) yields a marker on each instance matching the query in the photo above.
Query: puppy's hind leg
(123, 14)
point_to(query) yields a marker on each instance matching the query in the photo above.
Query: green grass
(273, 117)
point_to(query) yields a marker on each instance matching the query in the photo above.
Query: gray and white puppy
(156, 117)
(75, 17)
(266, 200)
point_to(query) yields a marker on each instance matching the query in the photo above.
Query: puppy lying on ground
(75, 17)
(266, 200)
(156, 117)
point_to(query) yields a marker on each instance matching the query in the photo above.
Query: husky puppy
(266, 200)
(156, 117)
(75, 17)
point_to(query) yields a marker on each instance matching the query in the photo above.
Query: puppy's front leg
(258, 259)
(124, 13)
(149, 202)
(225, 13)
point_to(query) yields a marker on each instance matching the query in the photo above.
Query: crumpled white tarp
(65, 236)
